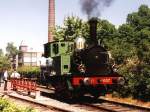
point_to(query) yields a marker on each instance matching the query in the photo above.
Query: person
(5, 79)
(0, 78)
(15, 74)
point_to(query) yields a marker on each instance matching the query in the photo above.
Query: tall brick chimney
(51, 20)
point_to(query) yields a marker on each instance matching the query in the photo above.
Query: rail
(25, 84)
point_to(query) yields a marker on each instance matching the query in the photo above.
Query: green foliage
(1, 52)
(133, 47)
(141, 19)
(11, 50)
(7, 106)
(30, 72)
(105, 30)
(73, 27)
(4, 61)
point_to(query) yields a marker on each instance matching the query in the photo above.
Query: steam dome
(80, 43)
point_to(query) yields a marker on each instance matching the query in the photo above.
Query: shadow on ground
(83, 99)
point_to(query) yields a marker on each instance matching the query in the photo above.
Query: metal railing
(25, 84)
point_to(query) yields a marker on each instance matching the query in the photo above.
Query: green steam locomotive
(77, 68)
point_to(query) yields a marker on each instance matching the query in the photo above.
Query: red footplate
(93, 80)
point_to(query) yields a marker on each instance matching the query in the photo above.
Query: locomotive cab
(60, 51)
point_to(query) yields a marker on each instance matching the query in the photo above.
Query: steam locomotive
(77, 68)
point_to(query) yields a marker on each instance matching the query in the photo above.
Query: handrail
(25, 84)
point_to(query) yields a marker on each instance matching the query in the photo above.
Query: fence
(25, 84)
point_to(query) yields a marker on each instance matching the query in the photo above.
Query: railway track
(131, 106)
(34, 104)
(103, 104)
(84, 104)
(106, 107)
(109, 106)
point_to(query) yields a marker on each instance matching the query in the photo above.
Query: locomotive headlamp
(80, 43)
(86, 81)
(96, 57)
(53, 73)
(81, 68)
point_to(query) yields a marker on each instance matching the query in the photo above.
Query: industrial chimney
(51, 20)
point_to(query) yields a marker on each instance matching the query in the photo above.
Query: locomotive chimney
(51, 20)
(93, 30)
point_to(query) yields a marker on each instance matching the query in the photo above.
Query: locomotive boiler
(79, 68)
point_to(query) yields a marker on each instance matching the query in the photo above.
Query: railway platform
(24, 88)
(58, 105)
(45, 101)
(2, 92)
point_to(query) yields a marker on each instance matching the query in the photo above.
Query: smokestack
(51, 20)
(93, 30)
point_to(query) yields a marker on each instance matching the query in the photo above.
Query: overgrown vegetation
(7, 106)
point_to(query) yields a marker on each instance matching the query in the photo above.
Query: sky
(27, 20)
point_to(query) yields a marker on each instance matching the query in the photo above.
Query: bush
(29, 72)
(6, 106)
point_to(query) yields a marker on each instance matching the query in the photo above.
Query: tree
(11, 53)
(11, 50)
(73, 27)
(141, 19)
(1, 52)
(135, 34)
(105, 30)
(4, 61)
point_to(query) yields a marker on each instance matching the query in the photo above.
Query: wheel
(96, 95)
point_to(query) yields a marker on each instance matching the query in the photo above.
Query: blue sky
(27, 20)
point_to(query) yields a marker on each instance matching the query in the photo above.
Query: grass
(8, 106)
(128, 100)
